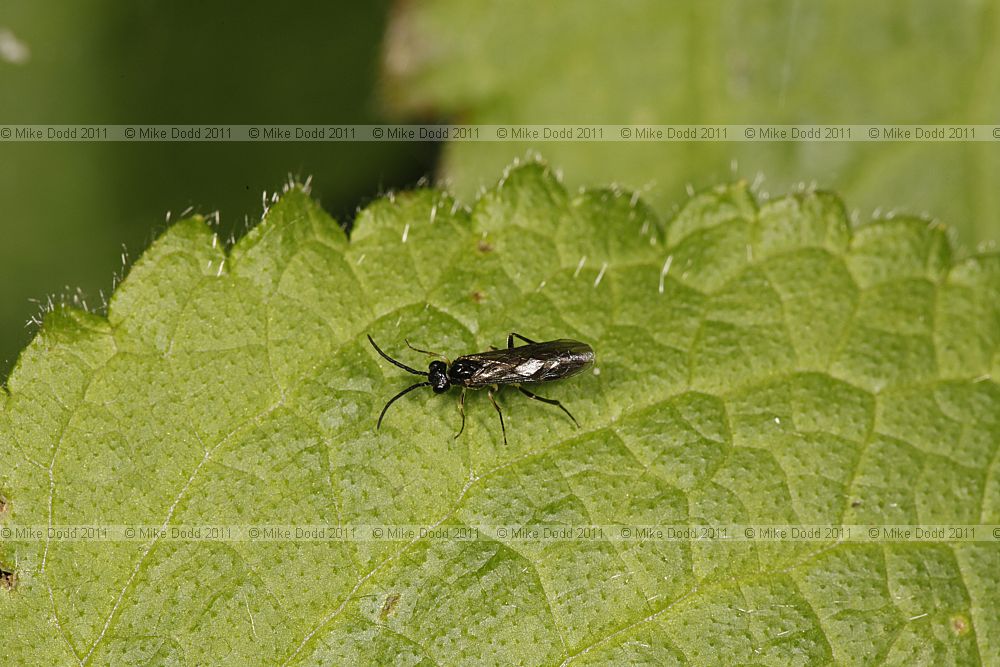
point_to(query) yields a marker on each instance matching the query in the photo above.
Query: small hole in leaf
(389, 605)
(959, 624)
(8, 579)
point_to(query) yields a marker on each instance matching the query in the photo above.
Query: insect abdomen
(537, 362)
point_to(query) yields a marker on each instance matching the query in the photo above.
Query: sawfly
(533, 363)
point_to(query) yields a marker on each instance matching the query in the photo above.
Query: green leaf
(760, 362)
(779, 62)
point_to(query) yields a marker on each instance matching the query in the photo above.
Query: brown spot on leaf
(389, 605)
(8, 579)
(855, 503)
(484, 246)
(959, 624)
(478, 296)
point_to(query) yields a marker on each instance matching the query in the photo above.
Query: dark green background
(67, 209)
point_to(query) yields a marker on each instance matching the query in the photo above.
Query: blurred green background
(66, 210)
(720, 61)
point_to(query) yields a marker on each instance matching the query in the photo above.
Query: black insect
(527, 364)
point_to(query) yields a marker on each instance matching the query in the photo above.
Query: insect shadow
(533, 363)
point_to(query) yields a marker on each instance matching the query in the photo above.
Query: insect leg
(512, 336)
(503, 429)
(550, 401)
(461, 409)
(427, 352)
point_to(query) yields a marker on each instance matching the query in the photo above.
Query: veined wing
(536, 362)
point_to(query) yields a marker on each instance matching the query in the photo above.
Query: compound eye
(438, 376)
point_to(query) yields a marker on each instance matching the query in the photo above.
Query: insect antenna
(398, 396)
(395, 363)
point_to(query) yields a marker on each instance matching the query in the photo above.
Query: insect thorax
(462, 370)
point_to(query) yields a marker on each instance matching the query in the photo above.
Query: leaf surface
(760, 362)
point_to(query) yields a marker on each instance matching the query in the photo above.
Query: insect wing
(537, 362)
